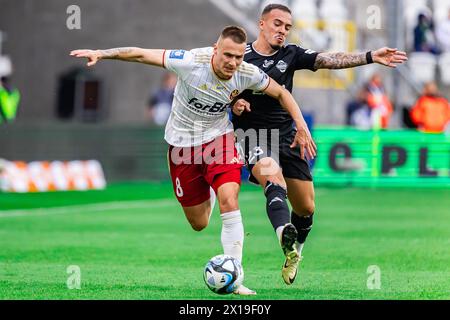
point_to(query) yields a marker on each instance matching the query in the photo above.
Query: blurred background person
(9, 100)
(378, 101)
(431, 113)
(424, 38)
(160, 102)
(358, 113)
(443, 34)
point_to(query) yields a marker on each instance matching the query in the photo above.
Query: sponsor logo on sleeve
(177, 54)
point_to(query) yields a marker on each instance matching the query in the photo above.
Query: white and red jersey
(199, 108)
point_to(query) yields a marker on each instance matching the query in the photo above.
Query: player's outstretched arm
(132, 54)
(303, 136)
(341, 60)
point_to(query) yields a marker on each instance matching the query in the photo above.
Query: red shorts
(194, 169)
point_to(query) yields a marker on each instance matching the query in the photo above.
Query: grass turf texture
(132, 241)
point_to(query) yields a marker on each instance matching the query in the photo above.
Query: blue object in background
(309, 119)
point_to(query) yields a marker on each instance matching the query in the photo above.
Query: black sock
(276, 205)
(303, 226)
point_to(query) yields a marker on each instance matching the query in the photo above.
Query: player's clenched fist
(240, 106)
(92, 55)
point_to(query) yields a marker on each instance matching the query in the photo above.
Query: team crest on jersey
(203, 87)
(234, 94)
(219, 87)
(282, 66)
(267, 63)
(176, 54)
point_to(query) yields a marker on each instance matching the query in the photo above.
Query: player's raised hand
(304, 139)
(240, 106)
(92, 55)
(389, 57)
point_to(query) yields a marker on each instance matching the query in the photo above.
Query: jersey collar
(262, 54)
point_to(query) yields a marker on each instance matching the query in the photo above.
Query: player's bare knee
(198, 225)
(268, 170)
(306, 209)
(268, 167)
(310, 209)
(228, 204)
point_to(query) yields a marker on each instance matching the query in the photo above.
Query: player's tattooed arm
(116, 53)
(131, 54)
(388, 57)
(339, 60)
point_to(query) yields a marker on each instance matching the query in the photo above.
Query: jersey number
(178, 188)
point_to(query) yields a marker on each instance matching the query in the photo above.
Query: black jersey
(266, 111)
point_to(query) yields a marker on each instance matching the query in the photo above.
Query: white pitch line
(98, 207)
(110, 206)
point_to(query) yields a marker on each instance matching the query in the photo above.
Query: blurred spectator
(160, 102)
(443, 34)
(9, 100)
(431, 113)
(379, 103)
(424, 39)
(358, 111)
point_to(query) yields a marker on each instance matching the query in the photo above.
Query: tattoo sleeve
(116, 53)
(339, 60)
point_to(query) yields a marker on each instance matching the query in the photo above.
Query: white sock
(299, 247)
(279, 231)
(232, 234)
(212, 200)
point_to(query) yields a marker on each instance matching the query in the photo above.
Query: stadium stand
(412, 10)
(444, 68)
(440, 10)
(246, 4)
(422, 66)
(264, 3)
(333, 10)
(305, 10)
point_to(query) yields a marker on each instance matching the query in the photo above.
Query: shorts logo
(234, 94)
(177, 54)
(254, 154)
(282, 66)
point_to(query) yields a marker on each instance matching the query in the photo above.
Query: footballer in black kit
(265, 119)
(268, 114)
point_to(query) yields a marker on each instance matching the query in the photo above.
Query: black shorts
(253, 149)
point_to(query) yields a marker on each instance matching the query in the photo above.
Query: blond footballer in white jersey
(201, 99)
(226, 60)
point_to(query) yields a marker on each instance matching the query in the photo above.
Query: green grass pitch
(132, 241)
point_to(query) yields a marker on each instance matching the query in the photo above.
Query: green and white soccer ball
(223, 274)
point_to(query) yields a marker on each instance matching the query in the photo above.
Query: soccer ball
(223, 274)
